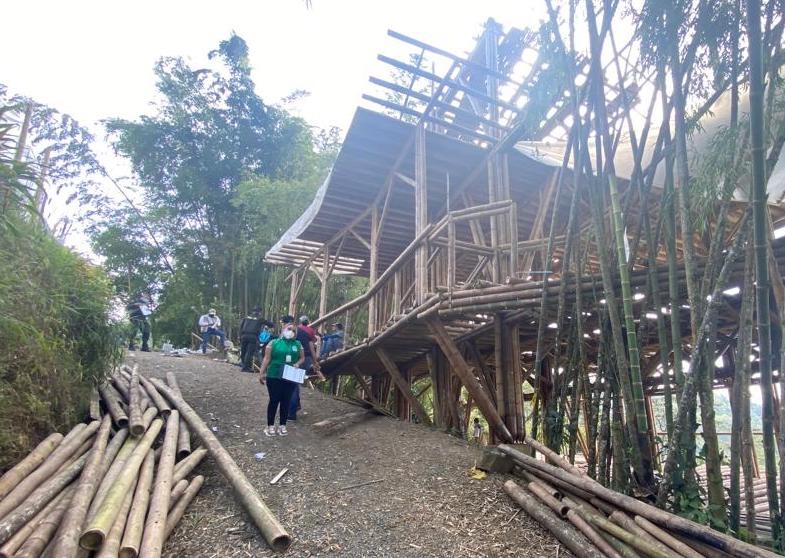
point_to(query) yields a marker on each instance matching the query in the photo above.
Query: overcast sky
(94, 59)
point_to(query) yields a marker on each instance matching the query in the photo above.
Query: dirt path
(424, 505)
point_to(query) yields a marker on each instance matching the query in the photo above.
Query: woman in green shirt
(279, 352)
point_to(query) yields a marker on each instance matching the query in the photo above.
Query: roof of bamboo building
(376, 168)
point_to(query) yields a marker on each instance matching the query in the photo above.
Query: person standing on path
(250, 328)
(306, 335)
(138, 310)
(210, 324)
(284, 350)
(477, 433)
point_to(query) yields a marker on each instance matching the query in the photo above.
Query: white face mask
(288, 334)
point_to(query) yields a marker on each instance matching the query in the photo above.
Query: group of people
(295, 345)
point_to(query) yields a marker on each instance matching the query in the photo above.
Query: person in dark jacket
(138, 310)
(250, 327)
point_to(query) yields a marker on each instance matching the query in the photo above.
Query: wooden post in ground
(373, 271)
(433, 372)
(466, 374)
(324, 278)
(293, 289)
(420, 214)
(403, 385)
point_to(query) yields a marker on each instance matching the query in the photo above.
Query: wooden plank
(466, 374)
(403, 385)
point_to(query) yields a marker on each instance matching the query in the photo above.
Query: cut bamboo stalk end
(178, 510)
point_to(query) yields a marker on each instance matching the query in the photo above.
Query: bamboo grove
(659, 280)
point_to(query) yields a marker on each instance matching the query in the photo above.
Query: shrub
(56, 338)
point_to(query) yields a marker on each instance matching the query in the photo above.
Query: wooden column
(373, 273)
(293, 290)
(433, 371)
(324, 278)
(420, 214)
(466, 375)
(367, 391)
(403, 386)
(498, 355)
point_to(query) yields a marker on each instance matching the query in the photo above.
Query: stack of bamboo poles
(105, 489)
(593, 521)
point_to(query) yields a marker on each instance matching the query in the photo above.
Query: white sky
(94, 59)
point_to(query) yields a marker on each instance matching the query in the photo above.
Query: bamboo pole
(95, 405)
(155, 396)
(115, 467)
(132, 537)
(111, 545)
(67, 541)
(177, 491)
(46, 529)
(20, 537)
(135, 426)
(666, 538)
(565, 533)
(462, 371)
(179, 508)
(15, 475)
(184, 467)
(98, 527)
(56, 459)
(246, 493)
(38, 500)
(153, 537)
(184, 435)
(111, 398)
(658, 516)
(563, 509)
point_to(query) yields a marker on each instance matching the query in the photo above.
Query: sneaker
(282, 431)
(269, 431)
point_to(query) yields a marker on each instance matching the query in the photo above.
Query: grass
(56, 339)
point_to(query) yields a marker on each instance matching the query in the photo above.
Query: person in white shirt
(477, 433)
(210, 324)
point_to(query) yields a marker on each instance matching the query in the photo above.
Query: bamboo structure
(550, 239)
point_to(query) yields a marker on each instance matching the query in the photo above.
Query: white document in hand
(293, 374)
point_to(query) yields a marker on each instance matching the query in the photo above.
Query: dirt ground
(424, 503)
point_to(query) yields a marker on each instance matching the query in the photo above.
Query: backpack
(264, 337)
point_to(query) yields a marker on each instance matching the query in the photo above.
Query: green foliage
(56, 340)
(223, 175)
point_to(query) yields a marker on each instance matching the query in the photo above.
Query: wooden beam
(403, 386)
(365, 387)
(361, 239)
(466, 374)
(406, 180)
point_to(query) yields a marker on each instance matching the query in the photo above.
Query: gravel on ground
(415, 498)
